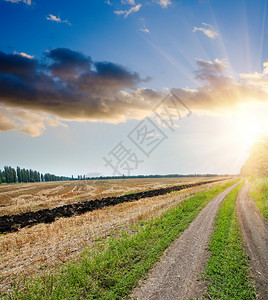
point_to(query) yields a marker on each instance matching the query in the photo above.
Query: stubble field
(33, 250)
(26, 197)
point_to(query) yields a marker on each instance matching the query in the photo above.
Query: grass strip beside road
(259, 191)
(112, 271)
(227, 272)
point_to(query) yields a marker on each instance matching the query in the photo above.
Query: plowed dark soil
(10, 223)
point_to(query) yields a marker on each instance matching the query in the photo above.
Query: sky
(132, 86)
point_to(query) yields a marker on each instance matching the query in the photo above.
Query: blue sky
(77, 78)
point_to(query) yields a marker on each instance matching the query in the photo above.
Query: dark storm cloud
(17, 64)
(112, 71)
(69, 85)
(68, 62)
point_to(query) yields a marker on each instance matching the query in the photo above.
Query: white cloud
(28, 2)
(130, 2)
(53, 18)
(146, 30)
(24, 54)
(164, 3)
(265, 67)
(126, 13)
(26, 121)
(208, 30)
(57, 19)
(221, 93)
(120, 12)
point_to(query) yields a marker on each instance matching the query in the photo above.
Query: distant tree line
(155, 176)
(11, 175)
(8, 175)
(52, 177)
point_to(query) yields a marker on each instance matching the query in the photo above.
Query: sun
(248, 133)
(248, 128)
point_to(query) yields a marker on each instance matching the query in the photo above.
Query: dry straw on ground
(17, 198)
(32, 250)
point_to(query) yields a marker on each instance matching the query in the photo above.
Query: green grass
(259, 191)
(111, 271)
(227, 271)
(22, 192)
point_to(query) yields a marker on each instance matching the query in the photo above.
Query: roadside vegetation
(256, 170)
(257, 163)
(227, 272)
(110, 269)
(259, 191)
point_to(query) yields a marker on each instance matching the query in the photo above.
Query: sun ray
(262, 36)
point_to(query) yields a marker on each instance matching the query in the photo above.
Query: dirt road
(175, 276)
(255, 235)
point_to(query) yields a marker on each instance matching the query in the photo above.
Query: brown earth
(175, 275)
(255, 234)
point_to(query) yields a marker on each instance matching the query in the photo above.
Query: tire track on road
(255, 234)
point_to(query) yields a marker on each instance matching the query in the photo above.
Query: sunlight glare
(249, 128)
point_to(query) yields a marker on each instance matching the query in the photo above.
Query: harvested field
(31, 250)
(24, 197)
(14, 222)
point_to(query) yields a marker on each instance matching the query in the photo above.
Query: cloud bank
(221, 93)
(26, 121)
(69, 85)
